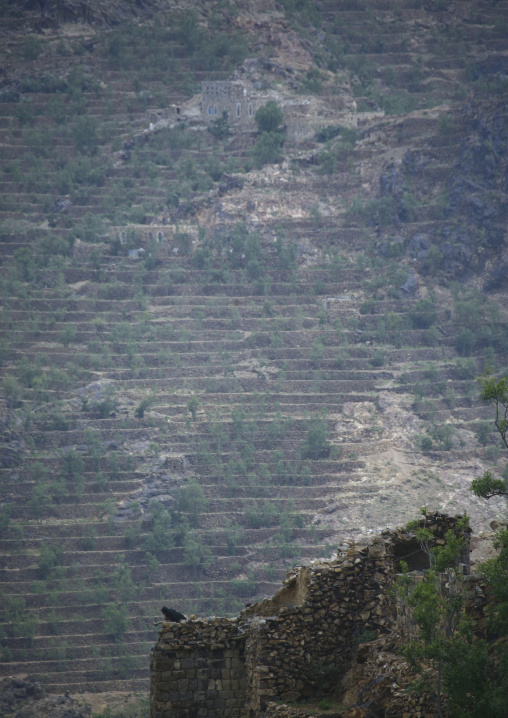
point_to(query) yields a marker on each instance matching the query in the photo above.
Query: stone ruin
(287, 647)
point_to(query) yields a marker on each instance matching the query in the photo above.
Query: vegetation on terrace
(172, 421)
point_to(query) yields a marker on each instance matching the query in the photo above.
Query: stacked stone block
(197, 670)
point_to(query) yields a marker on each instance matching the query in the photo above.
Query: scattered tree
(115, 621)
(269, 117)
(495, 391)
(192, 406)
(144, 405)
(316, 443)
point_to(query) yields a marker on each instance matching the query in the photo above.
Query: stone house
(233, 97)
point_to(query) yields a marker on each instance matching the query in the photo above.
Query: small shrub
(465, 341)
(267, 149)
(192, 406)
(424, 314)
(84, 134)
(483, 431)
(426, 444)
(89, 542)
(12, 390)
(316, 445)
(31, 48)
(219, 128)
(143, 406)
(131, 535)
(49, 559)
(377, 359)
(67, 335)
(368, 306)
(115, 622)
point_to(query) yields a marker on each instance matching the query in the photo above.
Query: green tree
(49, 559)
(5, 517)
(121, 579)
(67, 335)
(25, 264)
(443, 631)
(495, 391)
(160, 536)
(192, 406)
(84, 135)
(94, 445)
(32, 48)
(144, 405)
(196, 554)
(316, 443)
(72, 464)
(18, 622)
(269, 117)
(89, 542)
(191, 501)
(267, 149)
(40, 502)
(219, 128)
(115, 621)
(12, 390)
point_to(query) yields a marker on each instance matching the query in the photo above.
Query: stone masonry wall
(288, 646)
(197, 670)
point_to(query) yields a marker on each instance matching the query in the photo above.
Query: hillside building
(233, 97)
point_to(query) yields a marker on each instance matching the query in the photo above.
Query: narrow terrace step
(123, 686)
(99, 679)
(77, 665)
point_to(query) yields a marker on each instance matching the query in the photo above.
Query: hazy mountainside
(290, 360)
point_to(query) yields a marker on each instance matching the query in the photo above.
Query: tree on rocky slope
(496, 393)
(495, 570)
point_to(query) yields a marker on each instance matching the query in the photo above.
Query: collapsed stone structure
(286, 647)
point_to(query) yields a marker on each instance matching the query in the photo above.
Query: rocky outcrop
(25, 698)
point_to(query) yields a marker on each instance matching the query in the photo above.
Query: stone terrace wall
(286, 646)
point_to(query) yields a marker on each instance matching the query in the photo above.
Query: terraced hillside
(290, 359)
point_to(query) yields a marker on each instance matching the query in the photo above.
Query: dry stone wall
(290, 645)
(198, 670)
